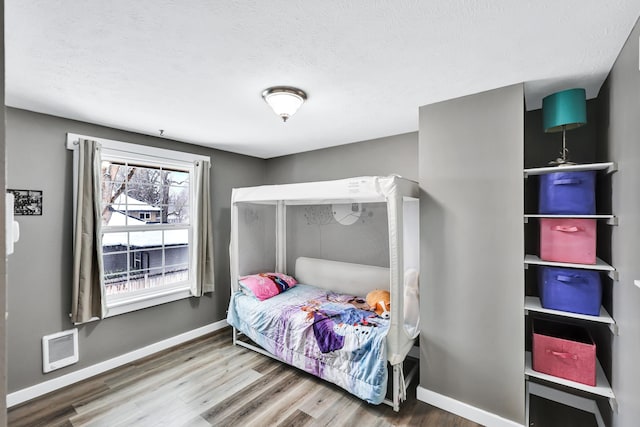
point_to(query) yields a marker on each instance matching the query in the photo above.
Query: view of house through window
(146, 227)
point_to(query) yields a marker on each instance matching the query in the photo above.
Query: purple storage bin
(570, 289)
(568, 193)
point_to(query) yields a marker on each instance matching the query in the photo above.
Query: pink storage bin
(570, 240)
(564, 351)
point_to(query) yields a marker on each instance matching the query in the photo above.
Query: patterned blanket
(327, 334)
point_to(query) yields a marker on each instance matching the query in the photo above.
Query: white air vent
(59, 350)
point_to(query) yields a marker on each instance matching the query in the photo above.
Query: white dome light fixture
(284, 100)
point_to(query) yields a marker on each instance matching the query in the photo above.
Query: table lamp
(563, 111)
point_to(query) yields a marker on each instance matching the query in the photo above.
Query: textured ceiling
(196, 68)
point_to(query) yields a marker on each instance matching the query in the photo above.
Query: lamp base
(561, 162)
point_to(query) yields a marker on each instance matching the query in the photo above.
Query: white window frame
(153, 156)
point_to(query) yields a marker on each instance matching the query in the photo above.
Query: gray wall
(3, 264)
(256, 231)
(471, 245)
(383, 156)
(39, 272)
(620, 132)
(311, 230)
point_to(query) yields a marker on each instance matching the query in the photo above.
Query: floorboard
(210, 382)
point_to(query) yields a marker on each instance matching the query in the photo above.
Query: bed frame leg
(397, 373)
(399, 386)
(235, 336)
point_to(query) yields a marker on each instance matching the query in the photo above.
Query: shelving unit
(533, 304)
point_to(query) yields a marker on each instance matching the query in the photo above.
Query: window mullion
(149, 227)
(128, 260)
(126, 207)
(164, 260)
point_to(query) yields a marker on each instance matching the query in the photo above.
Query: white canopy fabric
(401, 197)
(362, 189)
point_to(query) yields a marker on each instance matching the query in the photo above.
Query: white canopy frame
(401, 198)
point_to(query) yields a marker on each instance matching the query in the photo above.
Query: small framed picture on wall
(27, 202)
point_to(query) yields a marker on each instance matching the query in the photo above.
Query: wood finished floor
(210, 382)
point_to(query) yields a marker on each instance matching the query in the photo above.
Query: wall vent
(59, 350)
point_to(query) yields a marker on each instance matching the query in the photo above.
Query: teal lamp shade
(564, 110)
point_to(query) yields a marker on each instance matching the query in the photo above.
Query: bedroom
(39, 271)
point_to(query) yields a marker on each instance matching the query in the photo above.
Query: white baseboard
(45, 387)
(464, 410)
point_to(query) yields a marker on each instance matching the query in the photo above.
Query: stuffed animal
(379, 301)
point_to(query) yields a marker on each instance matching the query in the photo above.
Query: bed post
(396, 282)
(281, 237)
(396, 273)
(396, 387)
(234, 262)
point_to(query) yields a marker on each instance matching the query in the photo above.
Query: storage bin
(571, 193)
(568, 240)
(570, 289)
(564, 351)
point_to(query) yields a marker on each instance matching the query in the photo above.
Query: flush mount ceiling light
(284, 100)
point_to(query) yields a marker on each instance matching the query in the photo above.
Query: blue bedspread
(321, 332)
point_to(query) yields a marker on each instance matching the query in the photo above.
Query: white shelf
(533, 304)
(611, 219)
(599, 265)
(602, 387)
(607, 167)
(569, 216)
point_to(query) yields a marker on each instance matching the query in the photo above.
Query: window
(144, 255)
(148, 239)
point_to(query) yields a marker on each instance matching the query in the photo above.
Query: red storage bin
(564, 351)
(570, 240)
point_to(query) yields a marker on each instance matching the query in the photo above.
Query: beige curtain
(204, 234)
(88, 301)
